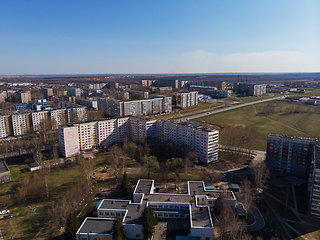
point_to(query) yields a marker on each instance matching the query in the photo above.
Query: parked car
(252, 157)
(7, 216)
(4, 212)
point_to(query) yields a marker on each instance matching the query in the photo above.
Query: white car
(4, 212)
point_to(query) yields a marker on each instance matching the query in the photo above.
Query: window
(137, 235)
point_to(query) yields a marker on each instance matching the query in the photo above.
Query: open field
(303, 123)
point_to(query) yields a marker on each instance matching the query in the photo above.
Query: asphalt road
(228, 108)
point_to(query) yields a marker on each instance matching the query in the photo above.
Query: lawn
(304, 123)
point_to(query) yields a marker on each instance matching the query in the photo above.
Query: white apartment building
(58, 117)
(37, 118)
(187, 99)
(197, 138)
(87, 135)
(69, 140)
(90, 104)
(20, 123)
(5, 126)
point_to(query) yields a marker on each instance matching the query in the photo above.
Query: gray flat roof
(200, 217)
(96, 225)
(144, 186)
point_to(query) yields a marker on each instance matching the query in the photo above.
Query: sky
(180, 36)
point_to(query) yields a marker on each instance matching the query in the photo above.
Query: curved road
(229, 108)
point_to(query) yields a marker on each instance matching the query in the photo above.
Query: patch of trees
(71, 227)
(125, 185)
(118, 232)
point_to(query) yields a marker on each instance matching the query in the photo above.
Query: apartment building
(69, 140)
(37, 118)
(90, 104)
(290, 154)
(314, 182)
(88, 137)
(147, 83)
(121, 95)
(24, 97)
(191, 137)
(58, 117)
(138, 94)
(5, 126)
(250, 89)
(76, 92)
(116, 108)
(193, 208)
(48, 92)
(186, 99)
(21, 123)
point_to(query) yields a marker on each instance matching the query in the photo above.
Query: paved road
(228, 108)
(258, 219)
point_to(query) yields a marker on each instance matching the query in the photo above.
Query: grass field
(304, 123)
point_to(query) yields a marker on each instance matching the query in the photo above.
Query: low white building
(193, 207)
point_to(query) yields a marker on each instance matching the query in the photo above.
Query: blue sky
(86, 37)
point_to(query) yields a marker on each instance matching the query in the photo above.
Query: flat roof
(144, 186)
(96, 225)
(200, 216)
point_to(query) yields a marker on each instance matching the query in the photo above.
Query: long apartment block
(200, 139)
(116, 108)
(191, 210)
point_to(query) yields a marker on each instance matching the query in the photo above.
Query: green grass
(300, 124)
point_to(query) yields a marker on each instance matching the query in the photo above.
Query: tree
(149, 221)
(175, 165)
(125, 185)
(260, 172)
(187, 163)
(71, 226)
(118, 232)
(193, 157)
(247, 196)
(130, 148)
(151, 164)
(87, 166)
(269, 109)
(114, 158)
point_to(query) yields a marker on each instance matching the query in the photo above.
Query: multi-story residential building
(314, 182)
(200, 139)
(5, 126)
(250, 89)
(147, 83)
(24, 97)
(167, 83)
(138, 94)
(211, 91)
(186, 99)
(290, 154)
(193, 207)
(88, 137)
(96, 86)
(37, 118)
(74, 112)
(90, 104)
(74, 92)
(145, 107)
(21, 123)
(48, 92)
(69, 140)
(121, 95)
(58, 117)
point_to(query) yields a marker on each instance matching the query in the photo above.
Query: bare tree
(87, 166)
(260, 172)
(247, 196)
(44, 169)
(114, 158)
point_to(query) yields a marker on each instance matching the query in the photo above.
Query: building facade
(200, 139)
(186, 99)
(90, 104)
(5, 126)
(38, 118)
(76, 92)
(115, 108)
(21, 124)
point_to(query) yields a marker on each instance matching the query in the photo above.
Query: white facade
(88, 103)
(87, 135)
(69, 140)
(37, 118)
(187, 99)
(20, 123)
(5, 128)
(57, 117)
